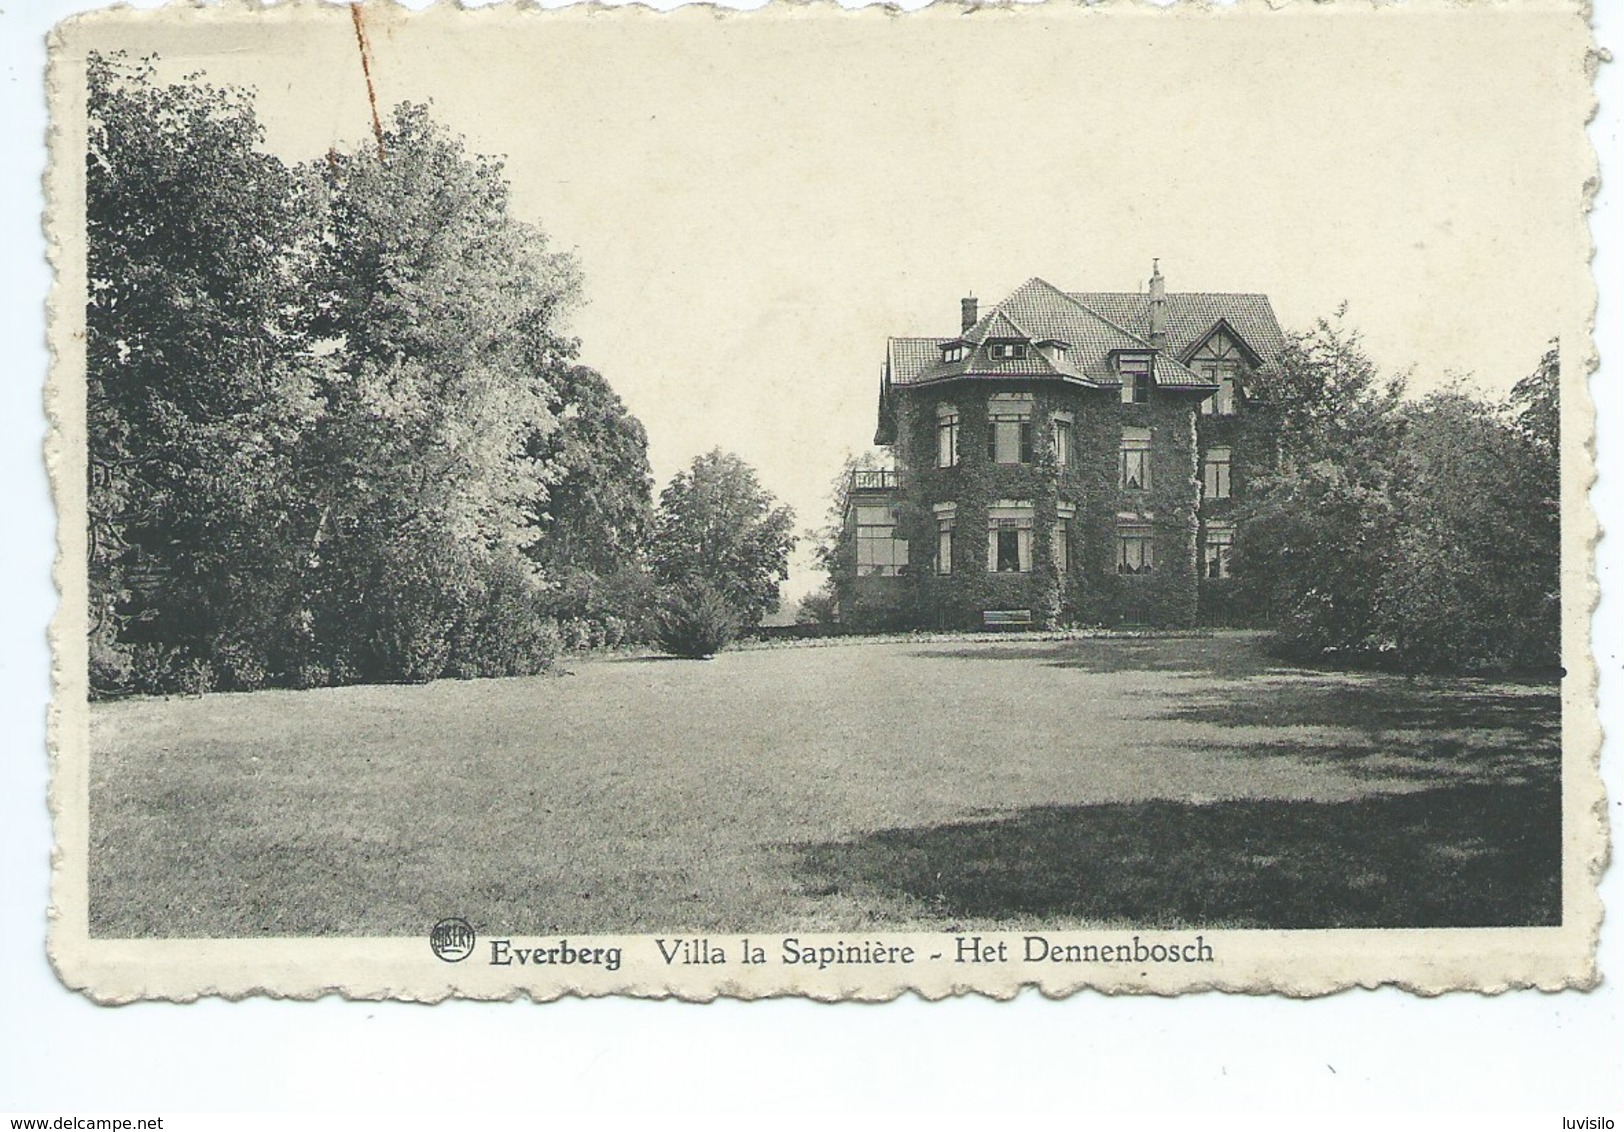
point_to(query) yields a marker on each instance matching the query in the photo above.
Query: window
(1215, 550)
(1222, 374)
(1219, 361)
(1136, 548)
(1009, 537)
(1060, 539)
(1135, 373)
(956, 352)
(1134, 466)
(1060, 426)
(946, 519)
(879, 551)
(947, 436)
(1215, 474)
(1009, 428)
(1005, 351)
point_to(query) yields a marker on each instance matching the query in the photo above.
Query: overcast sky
(757, 201)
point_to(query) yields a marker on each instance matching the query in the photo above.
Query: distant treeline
(336, 430)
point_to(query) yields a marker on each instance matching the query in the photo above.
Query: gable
(1221, 344)
(1192, 316)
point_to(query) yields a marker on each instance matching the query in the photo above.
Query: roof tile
(1191, 315)
(1093, 325)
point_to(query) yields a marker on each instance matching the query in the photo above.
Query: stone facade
(1054, 466)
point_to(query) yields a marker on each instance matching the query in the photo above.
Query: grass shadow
(1224, 657)
(1532, 709)
(1458, 856)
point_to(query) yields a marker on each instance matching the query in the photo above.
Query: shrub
(111, 668)
(623, 604)
(239, 665)
(504, 632)
(312, 675)
(697, 621)
(817, 608)
(158, 670)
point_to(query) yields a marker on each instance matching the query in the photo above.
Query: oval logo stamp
(452, 939)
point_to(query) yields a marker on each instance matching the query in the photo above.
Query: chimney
(967, 313)
(1158, 305)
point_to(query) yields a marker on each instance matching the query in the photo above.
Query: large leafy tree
(441, 311)
(1425, 534)
(1319, 526)
(200, 384)
(1472, 582)
(717, 527)
(314, 398)
(599, 510)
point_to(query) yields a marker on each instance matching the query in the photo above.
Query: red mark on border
(366, 70)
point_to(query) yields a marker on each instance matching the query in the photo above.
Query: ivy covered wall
(1091, 591)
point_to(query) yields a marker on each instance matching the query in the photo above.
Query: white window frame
(1009, 428)
(1010, 515)
(1217, 475)
(1135, 373)
(1141, 536)
(947, 436)
(1063, 439)
(1216, 543)
(947, 515)
(1134, 453)
(879, 554)
(1224, 374)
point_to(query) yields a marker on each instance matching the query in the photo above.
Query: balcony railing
(868, 479)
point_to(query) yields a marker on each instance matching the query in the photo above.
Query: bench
(1006, 618)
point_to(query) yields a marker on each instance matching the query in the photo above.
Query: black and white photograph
(827, 503)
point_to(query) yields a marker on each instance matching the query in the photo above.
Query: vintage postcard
(818, 501)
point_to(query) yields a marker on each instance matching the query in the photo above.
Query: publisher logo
(452, 939)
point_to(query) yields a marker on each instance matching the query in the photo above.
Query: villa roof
(1068, 339)
(1192, 316)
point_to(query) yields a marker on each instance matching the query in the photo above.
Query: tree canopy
(1422, 534)
(717, 526)
(328, 404)
(598, 514)
(201, 385)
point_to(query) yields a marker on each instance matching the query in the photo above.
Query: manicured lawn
(1114, 781)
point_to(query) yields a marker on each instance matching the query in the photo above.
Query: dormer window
(1134, 370)
(955, 352)
(1221, 374)
(1006, 351)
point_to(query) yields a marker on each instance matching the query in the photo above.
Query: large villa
(1065, 457)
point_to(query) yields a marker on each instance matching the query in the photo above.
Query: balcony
(869, 479)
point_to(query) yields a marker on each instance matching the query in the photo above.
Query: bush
(111, 667)
(817, 608)
(623, 606)
(157, 670)
(240, 666)
(696, 621)
(504, 632)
